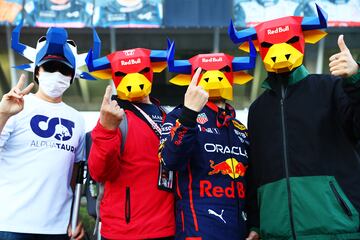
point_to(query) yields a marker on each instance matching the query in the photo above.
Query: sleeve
(252, 207)
(7, 131)
(104, 157)
(80, 150)
(178, 138)
(347, 101)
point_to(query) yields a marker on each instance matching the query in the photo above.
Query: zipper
(356, 154)
(127, 205)
(341, 201)
(282, 100)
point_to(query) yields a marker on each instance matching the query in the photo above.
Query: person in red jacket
(132, 206)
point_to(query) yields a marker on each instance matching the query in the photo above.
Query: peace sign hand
(13, 101)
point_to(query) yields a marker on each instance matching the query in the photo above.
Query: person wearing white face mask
(54, 78)
(41, 143)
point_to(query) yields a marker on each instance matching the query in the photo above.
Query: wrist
(188, 117)
(4, 115)
(107, 126)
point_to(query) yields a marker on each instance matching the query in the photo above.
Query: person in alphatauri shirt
(42, 141)
(208, 150)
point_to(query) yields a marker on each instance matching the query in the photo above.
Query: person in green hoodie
(304, 129)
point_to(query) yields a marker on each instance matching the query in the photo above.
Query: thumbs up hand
(195, 97)
(342, 64)
(110, 112)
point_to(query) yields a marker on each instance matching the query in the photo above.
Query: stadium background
(197, 26)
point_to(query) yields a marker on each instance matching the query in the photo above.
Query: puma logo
(212, 212)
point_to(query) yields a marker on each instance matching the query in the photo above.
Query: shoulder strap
(153, 124)
(126, 105)
(124, 130)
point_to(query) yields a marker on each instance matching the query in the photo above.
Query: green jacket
(304, 172)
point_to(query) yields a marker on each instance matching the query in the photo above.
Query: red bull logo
(208, 190)
(230, 167)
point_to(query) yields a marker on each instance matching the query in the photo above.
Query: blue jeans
(29, 236)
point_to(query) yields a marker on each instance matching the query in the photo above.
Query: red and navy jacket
(132, 207)
(209, 152)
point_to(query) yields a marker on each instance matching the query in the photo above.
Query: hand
(13, 101)
(342, 64)
(79, 232)
(253, 236)
(110, 112)
(195, 97)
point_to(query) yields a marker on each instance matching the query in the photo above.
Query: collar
(223, 116)
(296, 76)
(127, 105)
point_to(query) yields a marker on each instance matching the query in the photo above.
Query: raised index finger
(195, 77)
(107, 96)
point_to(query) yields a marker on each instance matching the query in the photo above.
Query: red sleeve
(104, 157)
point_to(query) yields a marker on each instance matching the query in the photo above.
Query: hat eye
(225, 69)
(203, 71)
(71, 42)
(119, 74)
(266, 44)
(145, 70)
(293, 40)
(42, 39)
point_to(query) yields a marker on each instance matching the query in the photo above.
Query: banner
(340, 12)
(83, 13)
(179, 13)
(58, 13)
(10, 11)
(128, 13)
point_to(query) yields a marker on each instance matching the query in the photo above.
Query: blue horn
(241, 36)
(244, 63)
(19, 47)
(310, 23)
(177, 66)
(96, 64)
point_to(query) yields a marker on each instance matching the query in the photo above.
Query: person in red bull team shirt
(207, 148)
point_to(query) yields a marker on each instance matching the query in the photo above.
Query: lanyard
(153, 124)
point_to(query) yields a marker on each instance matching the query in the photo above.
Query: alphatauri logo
(59, 128)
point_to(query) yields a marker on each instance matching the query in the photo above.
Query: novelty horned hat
(281, 42)
(131, 70)
(219, 71)
(54, 46)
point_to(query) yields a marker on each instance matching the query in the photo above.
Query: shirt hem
(32, 230)
(161, 234)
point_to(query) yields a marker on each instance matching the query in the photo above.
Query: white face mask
(53, 84)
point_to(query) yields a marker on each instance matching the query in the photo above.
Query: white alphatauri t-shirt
(38, 148)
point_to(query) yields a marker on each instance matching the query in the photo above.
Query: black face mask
(56, 66)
